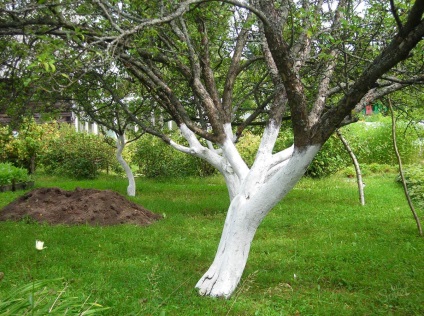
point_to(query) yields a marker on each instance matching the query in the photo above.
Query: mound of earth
(81, 206)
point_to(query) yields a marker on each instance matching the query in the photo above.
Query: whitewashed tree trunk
(253, 193)
(120, 145)
(247, 210)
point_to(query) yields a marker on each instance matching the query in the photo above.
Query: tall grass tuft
(43, 297)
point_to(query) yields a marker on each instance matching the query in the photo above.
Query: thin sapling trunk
(405, 188)
(120, 145)
(357, 168)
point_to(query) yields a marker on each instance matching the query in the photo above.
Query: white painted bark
(253, 193)
(232, 155)
(247, 210)
(232, 182)
(216, 157)
(120, 145)
(197, 149)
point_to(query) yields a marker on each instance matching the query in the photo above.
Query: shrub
(372, 142)
(22, 149)
(248, 146)
(367, 169)
(372, 145)
(10, 174)
(77, 155)
(154, 158)
(414, 177)
(331, 158)
(58, 147)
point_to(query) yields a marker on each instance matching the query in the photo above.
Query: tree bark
(247, 210)
(120, 145)
(357, 168)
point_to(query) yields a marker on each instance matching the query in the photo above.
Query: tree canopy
(210, 63)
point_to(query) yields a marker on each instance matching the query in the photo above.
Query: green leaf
(46, 66)
(52, 66)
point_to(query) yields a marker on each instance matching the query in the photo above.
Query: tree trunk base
(218, 282)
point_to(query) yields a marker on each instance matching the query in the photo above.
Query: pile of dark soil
(81, 206)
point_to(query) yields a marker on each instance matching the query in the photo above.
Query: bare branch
(108, 16)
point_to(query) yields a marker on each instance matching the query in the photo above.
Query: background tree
(102, 97)
(214, 65)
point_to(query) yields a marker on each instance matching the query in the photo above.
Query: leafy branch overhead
(328, 61)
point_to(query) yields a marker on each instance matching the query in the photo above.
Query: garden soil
(81, 206)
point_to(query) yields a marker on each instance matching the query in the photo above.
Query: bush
(10, 174)
(22, 148)
(372, 145)
(58, 147)
(372, 142)
(248, 146)
(414, 177)
(368, 169)
(77, 155)
(331, 158)
(154, 158)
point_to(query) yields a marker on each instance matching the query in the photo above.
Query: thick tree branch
(279, 102)
(397, 51)
(207, 72)
(233, 71)
(285, 63)
(329, 68)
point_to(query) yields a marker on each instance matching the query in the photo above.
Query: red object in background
(368, 110)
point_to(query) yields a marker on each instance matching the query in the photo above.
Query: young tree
(215, 65)
(103, 97)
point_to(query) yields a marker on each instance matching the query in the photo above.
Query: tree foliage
(10, 174)
(22, 147)
(206, 64)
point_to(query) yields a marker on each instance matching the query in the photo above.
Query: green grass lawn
(317, 253)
